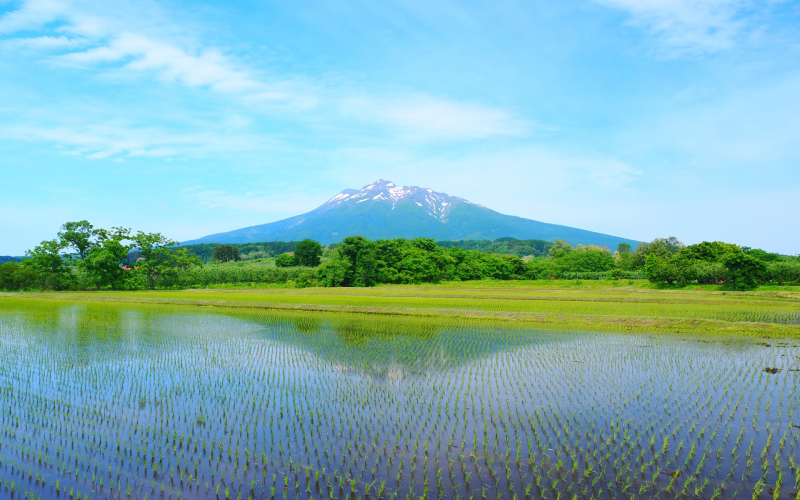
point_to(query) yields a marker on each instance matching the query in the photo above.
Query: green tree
(416, 265)
(78, 236)
(46, 261)
(424, 244)
(104, 261)
(591, 259)
(708, 251)
(226, 253)
(623, 248)
(744, 271)
(666, 246)
(538, 269)
(285, 260)
(308, 253)
(365, 267)
(560, 248)
(761, 254)
(783, 272)
(468, 264)
(15, 276)
(333, 271)
(624, 260)
(158, 258)
(663, 248)
(503, 267)
(361, 252)
(660, 270)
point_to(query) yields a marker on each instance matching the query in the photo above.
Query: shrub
(285, 260)
(783, 272)
(744, 271)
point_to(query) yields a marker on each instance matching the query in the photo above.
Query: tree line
(207, 252)
(506, 246)
(741, 268)
(83, 257)
(245, 251)
(360, 262)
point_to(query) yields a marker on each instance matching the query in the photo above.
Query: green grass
(599, 306)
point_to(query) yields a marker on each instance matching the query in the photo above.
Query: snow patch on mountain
(437, 205)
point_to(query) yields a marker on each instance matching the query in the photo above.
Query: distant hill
(8, 258)
(384, 210)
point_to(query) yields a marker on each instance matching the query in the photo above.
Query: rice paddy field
(573, 393)
(597, 306)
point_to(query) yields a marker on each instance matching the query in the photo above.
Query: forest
(83, 257)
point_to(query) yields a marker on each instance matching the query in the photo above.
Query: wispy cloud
(693, 26)
(426, 117)
(142, 39)
(104, 140)
(99, 37)
(45, 43)
(170, 63)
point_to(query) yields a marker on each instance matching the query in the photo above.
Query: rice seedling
(759, 314)
(107, 401)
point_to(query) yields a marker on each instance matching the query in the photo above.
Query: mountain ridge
(384, 210)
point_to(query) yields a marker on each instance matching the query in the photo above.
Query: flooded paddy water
(136, 401)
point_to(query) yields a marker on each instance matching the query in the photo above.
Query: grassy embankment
(598, 306)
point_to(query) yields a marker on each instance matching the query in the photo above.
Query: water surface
(119, 401)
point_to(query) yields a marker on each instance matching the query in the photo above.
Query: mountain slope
(384, 210)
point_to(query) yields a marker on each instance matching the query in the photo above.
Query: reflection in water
(121, 401)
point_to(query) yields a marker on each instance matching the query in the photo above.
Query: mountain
(384, 210)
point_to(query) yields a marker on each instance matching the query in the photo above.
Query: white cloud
(424, 117)
(105, 140)
(31, 16)
(688, 25)
(126, 39)
(45, 43)
(170, 63)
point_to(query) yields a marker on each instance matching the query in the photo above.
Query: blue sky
(638, 118)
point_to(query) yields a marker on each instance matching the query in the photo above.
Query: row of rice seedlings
(136, 402)
(750, 310)
(623, 322)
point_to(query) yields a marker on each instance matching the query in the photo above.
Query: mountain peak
(385, 210)
(436, 205)
(380, 182)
